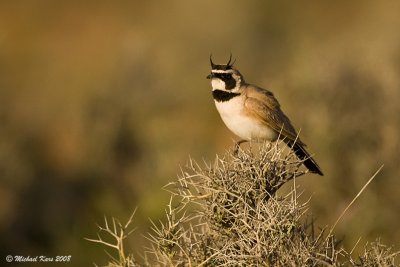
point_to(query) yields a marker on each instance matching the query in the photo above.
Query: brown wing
(262, 104)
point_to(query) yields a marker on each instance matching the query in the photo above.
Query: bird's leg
(237, 146)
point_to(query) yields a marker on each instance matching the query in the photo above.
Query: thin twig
(354, 199)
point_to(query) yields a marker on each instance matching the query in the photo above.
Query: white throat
(218, 84)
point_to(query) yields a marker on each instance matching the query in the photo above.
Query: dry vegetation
(229, 214)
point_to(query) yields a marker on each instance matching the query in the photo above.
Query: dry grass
(229, 214)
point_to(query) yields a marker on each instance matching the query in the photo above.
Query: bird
(253, 113)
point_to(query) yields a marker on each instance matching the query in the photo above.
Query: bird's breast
(238, 120)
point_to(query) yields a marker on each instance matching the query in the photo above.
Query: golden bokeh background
(101, 102)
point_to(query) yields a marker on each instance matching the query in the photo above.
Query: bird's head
(225, 77)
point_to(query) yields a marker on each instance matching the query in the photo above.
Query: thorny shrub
(229, 214)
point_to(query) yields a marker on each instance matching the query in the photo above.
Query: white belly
(245, 127)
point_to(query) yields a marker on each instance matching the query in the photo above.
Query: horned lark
(253, 113)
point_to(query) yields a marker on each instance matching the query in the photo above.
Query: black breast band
(222, 96)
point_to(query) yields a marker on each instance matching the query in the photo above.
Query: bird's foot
(237, 147)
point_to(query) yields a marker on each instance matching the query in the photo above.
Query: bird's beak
(209, 76)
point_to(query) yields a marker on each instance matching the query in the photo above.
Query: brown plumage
(262, 105)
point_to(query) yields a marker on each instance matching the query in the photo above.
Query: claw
(237, 147)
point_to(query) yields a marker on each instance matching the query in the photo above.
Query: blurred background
(102, 102)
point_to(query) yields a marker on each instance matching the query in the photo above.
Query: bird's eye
(224, 76)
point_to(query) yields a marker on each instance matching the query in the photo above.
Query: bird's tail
(303, 155)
